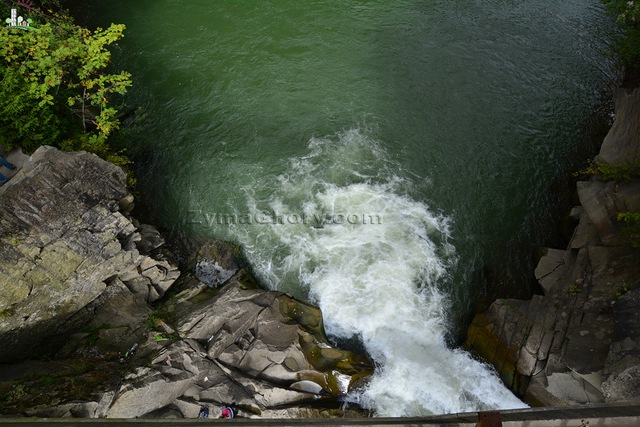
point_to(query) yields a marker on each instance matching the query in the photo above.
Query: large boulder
(64, 243)
(602, 201)
(622, 143)
(556, 349)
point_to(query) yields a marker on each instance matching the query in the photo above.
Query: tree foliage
(627, 44)
(625, 171)
(631, 229)
(55, 86)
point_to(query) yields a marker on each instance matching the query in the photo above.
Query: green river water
(375, 157)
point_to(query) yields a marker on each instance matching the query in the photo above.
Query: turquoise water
(372, 156)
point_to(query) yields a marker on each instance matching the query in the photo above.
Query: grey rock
(75, 282)
(254, 331)
(149, 392)
(56, 256)
(580, 342)
(261, 349)
(150, 238)
(622, 143)
(564, 348)
(596, 198)
(585, 234)
(58, 259)
(215, 263)
(126, 204)
(138, 285)
(621, 376)
(131, 242)
(602, 201)
(550, 268)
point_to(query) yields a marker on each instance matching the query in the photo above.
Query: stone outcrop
(84, 283)
(67, 248)
(578, 343)
(622, 143)
(264, 350)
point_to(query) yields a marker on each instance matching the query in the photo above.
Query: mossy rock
(308, 316)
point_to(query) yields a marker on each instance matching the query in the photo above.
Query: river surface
(374, 157)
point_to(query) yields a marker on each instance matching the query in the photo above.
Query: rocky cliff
(580, 341)
(89, 328)
(66, 242)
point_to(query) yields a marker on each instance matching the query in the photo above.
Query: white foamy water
(342, 232)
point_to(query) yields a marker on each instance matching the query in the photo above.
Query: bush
(56, 89)
(610, 172)
(24, 121)
(627, 45)
(631, 229)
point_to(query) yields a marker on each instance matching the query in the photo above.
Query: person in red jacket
(229, 411)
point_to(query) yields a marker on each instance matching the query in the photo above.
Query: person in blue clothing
(204, 412)
(8, 165)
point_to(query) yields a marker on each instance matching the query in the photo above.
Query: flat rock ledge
(97, 320)
(580, 341)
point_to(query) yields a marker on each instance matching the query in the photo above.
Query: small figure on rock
(7, 165)
(229, 411)
(204, 412)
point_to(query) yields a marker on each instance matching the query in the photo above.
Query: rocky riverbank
(580, 341)
(97, 320)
